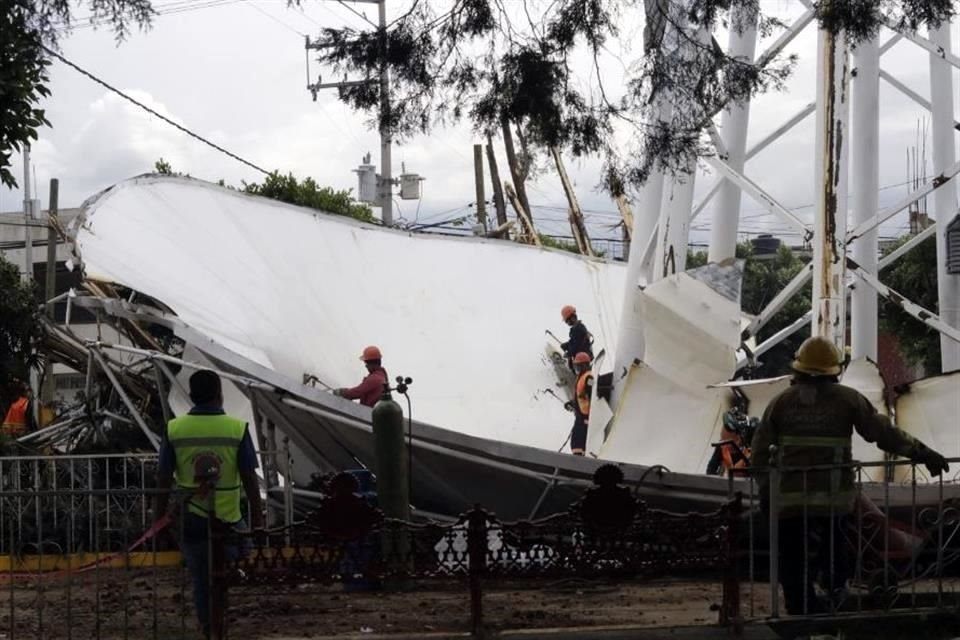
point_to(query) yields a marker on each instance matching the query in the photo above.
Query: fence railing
(74, 561)
(348, 542)
(851, 544)
(81, 554)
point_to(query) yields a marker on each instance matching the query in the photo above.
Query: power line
(275, 19)
(152, 112)
(161, 10)
(361, 15)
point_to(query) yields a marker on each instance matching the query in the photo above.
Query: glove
(338, 392)
(933, 461)
(568, 405)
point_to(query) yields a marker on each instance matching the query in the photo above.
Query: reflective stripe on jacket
(208, 444)
(15, 423)
(584, 382)
(823, 490)
(811, 424)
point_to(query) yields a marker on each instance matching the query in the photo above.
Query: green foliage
(23, 78)
(762, 280)
(307, 193)
(20, 331)
(163, 167)
(915, 276)
(286, 188)
(26, 28)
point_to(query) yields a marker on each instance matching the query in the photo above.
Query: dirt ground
(146, 604)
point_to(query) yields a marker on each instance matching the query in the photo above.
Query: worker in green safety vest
(809, 424)
(212, 457)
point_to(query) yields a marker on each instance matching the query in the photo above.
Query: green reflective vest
(207, 447)
(815, 491)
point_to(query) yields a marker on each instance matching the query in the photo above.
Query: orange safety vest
(15, 424)
(739, 467)
(583, 397)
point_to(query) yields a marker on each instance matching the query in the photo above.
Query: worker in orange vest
(16, 422)
(581, 404)
(731, 456)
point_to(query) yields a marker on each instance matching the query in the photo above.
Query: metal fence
(81, 555)
(74, 560)
(622, 539)
(891, 545)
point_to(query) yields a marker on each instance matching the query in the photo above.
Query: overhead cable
(152, 112)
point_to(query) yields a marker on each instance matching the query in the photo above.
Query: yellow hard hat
(817, 356)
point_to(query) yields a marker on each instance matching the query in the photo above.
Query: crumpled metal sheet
(667, 414)
(864, 376)
(930, 411)
(300, 291)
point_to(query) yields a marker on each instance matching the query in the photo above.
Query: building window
(953, 246)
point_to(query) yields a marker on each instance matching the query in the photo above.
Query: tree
(762, 280)
(915, 276)
(20, 331)
(29, 29)
(307, 193)
(287, 188)
(493, 62)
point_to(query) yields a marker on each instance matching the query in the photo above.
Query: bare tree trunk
(529, 233)
(498, 201)
(577, 226)
(516, 171)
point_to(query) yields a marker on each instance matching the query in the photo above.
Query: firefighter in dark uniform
(580, 405)
(811, 423)
(580, 339)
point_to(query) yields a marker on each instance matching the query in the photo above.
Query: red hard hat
(371, 353)
(581, 358)
(567, 311)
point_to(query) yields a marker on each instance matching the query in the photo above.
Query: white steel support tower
(945, 198)
(865, 138)
(845, 161)
(830, 189)
(733, 128)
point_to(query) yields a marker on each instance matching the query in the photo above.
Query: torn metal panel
(929, 410)
(864, 376)
(692, 331)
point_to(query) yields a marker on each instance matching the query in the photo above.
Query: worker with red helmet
(581, 403)
(368, 392)
(581, 341)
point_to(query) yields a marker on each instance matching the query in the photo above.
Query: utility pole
(478, 177)
(386, 140)
(385, 183)
(27, 274)
(46, 393)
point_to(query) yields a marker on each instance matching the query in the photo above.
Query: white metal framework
(846, 160)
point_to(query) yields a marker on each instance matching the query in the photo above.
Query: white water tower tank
(410, 186)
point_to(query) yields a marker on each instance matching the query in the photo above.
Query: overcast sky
(234, 71)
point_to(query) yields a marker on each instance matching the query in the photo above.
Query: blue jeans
(196, 550)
